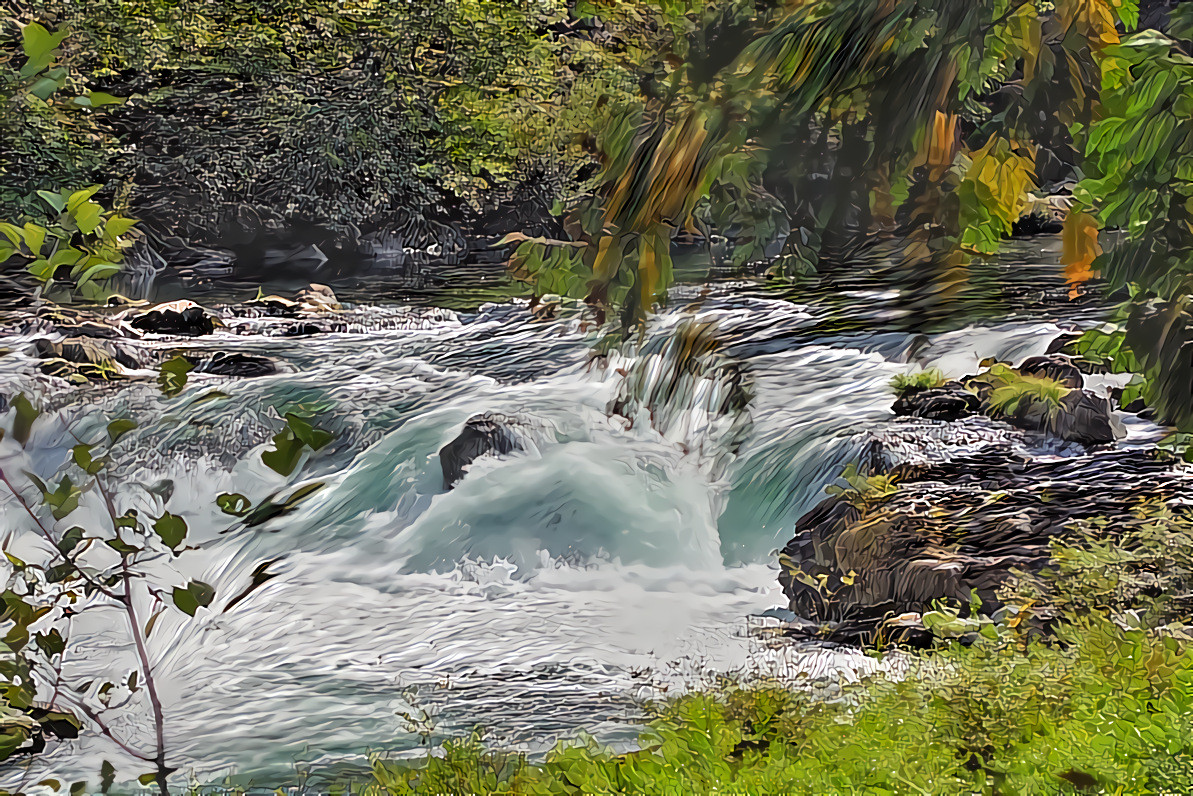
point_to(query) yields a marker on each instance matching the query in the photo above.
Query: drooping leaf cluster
(786, 124)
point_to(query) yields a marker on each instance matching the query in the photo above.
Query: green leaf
(44, 89)
(70, 540)
(81, 197)
(196, 595)
(11, 231)
(122, 547)
(171, 529)
(118, 428)
(99, 99)
(101, 270)
(25, 415)
(87, 216)
(107, 775)
(117, 226)
(64, 499)
(37, 482)
(286, 453)
(78, 788)
(39, 45)
(35, 237)
(54, 200)
(147, 779)
(82, 456)
(234, 503)
(51, 643)
(66, 255)
(173, 375)
(315, 438)
(41, 269)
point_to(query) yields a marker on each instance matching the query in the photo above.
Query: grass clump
(1014, 393)
(916, 380)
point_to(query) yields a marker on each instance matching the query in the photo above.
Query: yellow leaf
(939, 144)
(1080, 246)
(1092, 19)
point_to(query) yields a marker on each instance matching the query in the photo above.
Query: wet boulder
(318, 298)
(488, 434)
(943, 403)
(176, 318)
(1085, 418)
(83, 359)
(233, 364)
(1053, 366)
(302, 329)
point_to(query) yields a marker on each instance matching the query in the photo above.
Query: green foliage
(350, 115)
(862, 491)
(926, 379)
(50, 124)
(75, 572)
(80, 236)
(1014, 392)
(1106, 710)
(1139, 167)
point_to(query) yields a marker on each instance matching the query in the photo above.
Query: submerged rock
(233, 364)
(488, 434)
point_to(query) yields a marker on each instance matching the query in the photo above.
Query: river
(550, 590)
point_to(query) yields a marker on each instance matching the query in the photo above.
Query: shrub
(916, 380)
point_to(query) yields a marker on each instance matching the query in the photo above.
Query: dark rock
(946, 403)
(1055, 367)
(180, 318)
(959, 527)
(1080, 417)
(81, 359)
(483, 435)
(234, 364)
(1035, 224)
(1085, 418)
(1062, 341)
(302, 330)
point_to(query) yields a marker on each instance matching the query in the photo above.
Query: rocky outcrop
(949, 402)
(952, 529)
(1043, 395)
(488, 434)
(176, 318)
